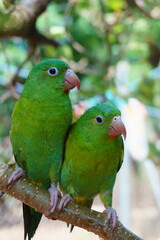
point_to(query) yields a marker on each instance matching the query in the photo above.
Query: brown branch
(140, 5)
(35, 37)
(11, 92)
(20, 21)
(8, 4)
(83, 217)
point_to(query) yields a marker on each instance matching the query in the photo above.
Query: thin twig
(140, 4)
(29, 55)
(11, 84)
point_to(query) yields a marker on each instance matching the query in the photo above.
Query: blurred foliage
(95, 36)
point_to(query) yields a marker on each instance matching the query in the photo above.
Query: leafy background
(111, 45)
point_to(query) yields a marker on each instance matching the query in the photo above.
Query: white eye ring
(52, 71)
(116, 118)
(99, 119)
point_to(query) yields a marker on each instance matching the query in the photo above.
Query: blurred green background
(114, 47)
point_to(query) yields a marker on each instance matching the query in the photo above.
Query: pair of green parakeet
(93, 151)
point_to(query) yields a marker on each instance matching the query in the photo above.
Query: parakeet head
(102, 121)
(50, 75)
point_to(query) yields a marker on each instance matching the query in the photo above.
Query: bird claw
(11, 164)
(112, 215)
(54, 194)
(19, 172)
(64, 201)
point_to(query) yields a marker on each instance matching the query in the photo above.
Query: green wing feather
(92, 159)
(39, 125)
(121, 157)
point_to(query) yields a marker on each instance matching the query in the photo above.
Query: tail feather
(31, 219)
(72, 226)
(71, 229)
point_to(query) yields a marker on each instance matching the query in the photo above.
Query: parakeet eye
(115, 118)
(53, 71)
(99, 119)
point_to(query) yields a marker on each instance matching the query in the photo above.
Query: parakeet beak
(71, 80)
(117, 128)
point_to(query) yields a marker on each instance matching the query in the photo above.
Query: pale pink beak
(117, 128)
(71, 80)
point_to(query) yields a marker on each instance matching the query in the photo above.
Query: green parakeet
(93, 156)
(39, 124)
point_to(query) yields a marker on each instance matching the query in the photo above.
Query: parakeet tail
(71, 229)
(31, 221)
(72, 226)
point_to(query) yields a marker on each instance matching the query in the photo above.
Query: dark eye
(99, 119)
(116, 118)
(53, 71)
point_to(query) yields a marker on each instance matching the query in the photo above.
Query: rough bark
(20, 21)
(83, 217)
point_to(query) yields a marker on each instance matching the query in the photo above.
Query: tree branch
(30, 53)
(83, 217)
(140, 5)
(20, 21)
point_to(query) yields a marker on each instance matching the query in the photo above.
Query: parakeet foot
(64, 201)
(111, 215)
(10, 165)
(54, 194)
(19, 172)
